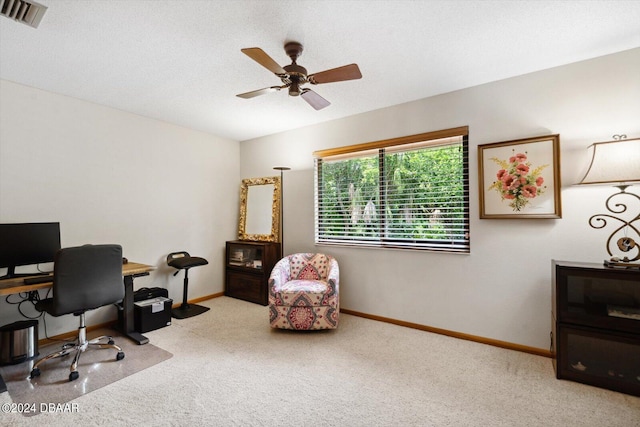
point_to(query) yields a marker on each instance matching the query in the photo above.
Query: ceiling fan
(294, 76)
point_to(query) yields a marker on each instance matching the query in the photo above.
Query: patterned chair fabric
(303, 292)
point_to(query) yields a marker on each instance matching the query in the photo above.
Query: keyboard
(38, 279)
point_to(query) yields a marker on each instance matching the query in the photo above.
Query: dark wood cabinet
(248, 265)
(596, 325)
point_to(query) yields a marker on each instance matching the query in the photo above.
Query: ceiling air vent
(26, 12)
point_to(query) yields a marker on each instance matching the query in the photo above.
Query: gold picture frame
(260, 209)
(520, 178)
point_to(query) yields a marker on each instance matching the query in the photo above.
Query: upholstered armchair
(304, 292)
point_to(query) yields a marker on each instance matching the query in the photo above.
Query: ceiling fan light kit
(293, 76)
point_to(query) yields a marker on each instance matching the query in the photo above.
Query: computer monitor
(27, 244)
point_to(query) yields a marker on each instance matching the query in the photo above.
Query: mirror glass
(260, 209)
(259, 201)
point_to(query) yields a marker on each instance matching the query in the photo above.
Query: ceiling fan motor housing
(297, 75)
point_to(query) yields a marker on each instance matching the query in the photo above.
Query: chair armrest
(333, 276)
(279, 276)
(280, 273)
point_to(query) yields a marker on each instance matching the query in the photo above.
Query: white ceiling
(179, 60)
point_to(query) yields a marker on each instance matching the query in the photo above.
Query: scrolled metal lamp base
(619, 239)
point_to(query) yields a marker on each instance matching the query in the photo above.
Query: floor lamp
(282, 169)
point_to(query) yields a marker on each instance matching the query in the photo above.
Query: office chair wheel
(73, 375)
(120, 355)
(111, 342)
(35, 373)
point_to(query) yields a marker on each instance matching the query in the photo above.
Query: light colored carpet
(97, 368)
(231, 369)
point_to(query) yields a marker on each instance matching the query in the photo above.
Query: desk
(130, 271)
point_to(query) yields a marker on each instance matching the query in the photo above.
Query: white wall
(502, 290)
(113, 177)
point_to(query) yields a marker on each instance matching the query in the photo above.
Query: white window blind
(410, 192)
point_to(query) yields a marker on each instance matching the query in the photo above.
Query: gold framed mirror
(260, 209)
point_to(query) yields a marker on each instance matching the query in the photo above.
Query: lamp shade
(614, 162)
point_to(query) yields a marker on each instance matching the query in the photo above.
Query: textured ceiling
(179, 60)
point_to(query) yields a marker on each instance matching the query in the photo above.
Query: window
(410, 192)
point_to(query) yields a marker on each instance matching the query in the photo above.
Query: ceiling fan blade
(263, 59)
(346, 72)
(259, 92)
(315, 100)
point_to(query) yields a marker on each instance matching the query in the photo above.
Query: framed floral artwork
(520, 178)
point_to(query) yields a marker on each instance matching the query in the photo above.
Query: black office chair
(184, 261)
(84, 278)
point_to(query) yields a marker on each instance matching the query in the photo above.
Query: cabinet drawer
(246, 286)
(599, 358)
